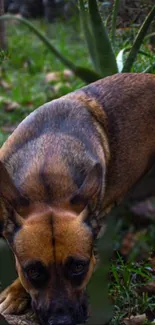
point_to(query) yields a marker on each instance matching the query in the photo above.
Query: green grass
(28, 61)
(130, 273)
(24, 68)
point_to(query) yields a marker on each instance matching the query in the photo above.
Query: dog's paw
(14, 299)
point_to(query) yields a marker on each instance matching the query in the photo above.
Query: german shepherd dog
(60, 170)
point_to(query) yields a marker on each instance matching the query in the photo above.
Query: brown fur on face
(71, 236)
(52, 239)
(49, 238)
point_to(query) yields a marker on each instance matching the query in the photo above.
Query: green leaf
(114, 19)
(88, 34)
(105, 55)
(138, 41)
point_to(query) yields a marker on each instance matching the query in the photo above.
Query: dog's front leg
(14, 299)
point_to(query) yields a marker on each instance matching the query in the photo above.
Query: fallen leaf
(152, 262)
(60, 85)
(68, 74)
(149, 288)
(4, 85)
(11, 106)
(53, 76)
(15, 21)
(29, 104)
(58, 75)
(130, 240)
(128, 243)
(135, 320)
(145, 208)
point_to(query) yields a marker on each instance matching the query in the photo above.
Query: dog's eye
(36, 273)
(76, 269)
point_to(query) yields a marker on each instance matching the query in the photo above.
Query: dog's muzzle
(63, 312)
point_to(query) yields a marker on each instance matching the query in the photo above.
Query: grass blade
(88, 35)
(106, 57)
(149, 35)
(138, 41)
(114, 19)
(150, 68)
(87, 75)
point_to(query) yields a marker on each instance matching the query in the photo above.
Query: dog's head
(53, 248)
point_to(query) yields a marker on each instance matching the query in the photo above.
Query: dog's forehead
(52, 239)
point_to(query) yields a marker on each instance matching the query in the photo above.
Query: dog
(61, 170)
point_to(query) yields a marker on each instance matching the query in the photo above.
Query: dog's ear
(9, 192)
(89, 192)
(87, 201)
(11, 223)
(11, 204)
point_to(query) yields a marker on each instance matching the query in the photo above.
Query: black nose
(61, 314)
(60, 320)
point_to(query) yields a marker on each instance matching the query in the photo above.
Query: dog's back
(49, 154)
(129, 103)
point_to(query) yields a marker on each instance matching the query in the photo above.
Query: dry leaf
(68, 74)
(4, 85)
(145, 208)
(135, 320)
(130, 240)
(152, 262)
(57, 75)
(53, 76)
(11, 106)
(128, 243)
(15, 21)
(29, 104)
(149, 288)
(60, 85)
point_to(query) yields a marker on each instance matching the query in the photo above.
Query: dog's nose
(60, 320)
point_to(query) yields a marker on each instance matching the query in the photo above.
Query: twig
(25, 319)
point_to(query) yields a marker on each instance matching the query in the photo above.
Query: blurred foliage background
(52, 48)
